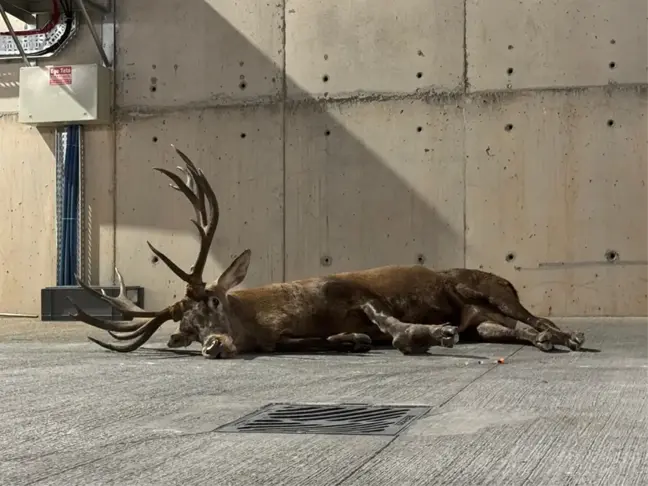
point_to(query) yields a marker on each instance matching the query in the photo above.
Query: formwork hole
(419, 75)
(611, 256)
(508, 127)
(327, 132)
(153, 89)
(612, 65)
(243, 135)
(612, 41)
(154, 259)
(242, 85)
(610, 123)
(326, 261)
(325, 78)
(420, 259)
(419, 129)
(509, 71)
(155, 139)
(510, 256)
(510, 47)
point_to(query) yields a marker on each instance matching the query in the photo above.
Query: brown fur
(412, 307)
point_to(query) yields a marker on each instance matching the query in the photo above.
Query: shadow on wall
(363, 183)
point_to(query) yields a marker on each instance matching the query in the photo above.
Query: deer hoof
(543, 341)
(449, 337)
(576, 341)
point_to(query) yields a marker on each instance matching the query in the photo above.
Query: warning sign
(60, 75)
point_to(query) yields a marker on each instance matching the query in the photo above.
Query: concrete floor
(75, 414)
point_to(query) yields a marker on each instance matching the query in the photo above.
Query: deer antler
(198, 191)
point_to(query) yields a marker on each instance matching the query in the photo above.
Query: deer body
(325, 306)
(412, 306)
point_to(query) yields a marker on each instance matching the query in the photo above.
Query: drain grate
(344, 419)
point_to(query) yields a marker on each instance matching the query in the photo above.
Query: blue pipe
(70, 216)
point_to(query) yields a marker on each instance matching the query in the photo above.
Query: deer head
(205, 311)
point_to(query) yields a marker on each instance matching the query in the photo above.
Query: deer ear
(236, 272)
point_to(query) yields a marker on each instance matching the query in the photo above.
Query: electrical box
(61, 95)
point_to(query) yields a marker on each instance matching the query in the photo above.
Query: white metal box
(71, 94)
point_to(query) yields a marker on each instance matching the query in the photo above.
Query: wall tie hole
(612, 41)
(325, 78)
(612, 65)
(327, 132)
(419, 129)
(153, 89)
(510, 47)
(611, 256)
(510, 256)
(155, 139)
(242, 85)
(508, 127)
(326, 261)
(243, 135)
(420, 259)
(610, 123)
(509, 71)
(154, 259)
(419, 75)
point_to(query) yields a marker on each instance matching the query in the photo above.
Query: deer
(411, 307)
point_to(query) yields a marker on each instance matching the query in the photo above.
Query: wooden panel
(562, 187)
(555, 43)
(99, 160)
(246, 174)
(375, 190)
(28, 214)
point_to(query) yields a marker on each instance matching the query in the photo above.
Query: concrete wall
(343, 136)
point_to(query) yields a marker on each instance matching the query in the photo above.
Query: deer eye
(213, 303)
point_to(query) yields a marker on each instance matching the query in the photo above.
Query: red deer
(412, 307)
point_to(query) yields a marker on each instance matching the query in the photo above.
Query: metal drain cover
(344, 419)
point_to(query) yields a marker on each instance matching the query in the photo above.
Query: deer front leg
(346, 341)
(410, 338)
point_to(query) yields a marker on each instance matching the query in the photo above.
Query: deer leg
(410, 338)
(496, 333)
(346, 342)
(494, 327)
(509, 305)
(352, 341)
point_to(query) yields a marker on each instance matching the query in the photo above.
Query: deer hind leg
(494, 327)
(509, 304)
(410, 338)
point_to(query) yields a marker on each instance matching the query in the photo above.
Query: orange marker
(500, 361)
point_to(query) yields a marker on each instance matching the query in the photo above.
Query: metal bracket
(13, 35)
(26, 9)
(98, 43)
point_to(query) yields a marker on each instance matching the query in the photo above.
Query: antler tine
(122, 303)
(143, 330)
(82, 316)
(148, 330)
(201, 213)
(206, 229)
